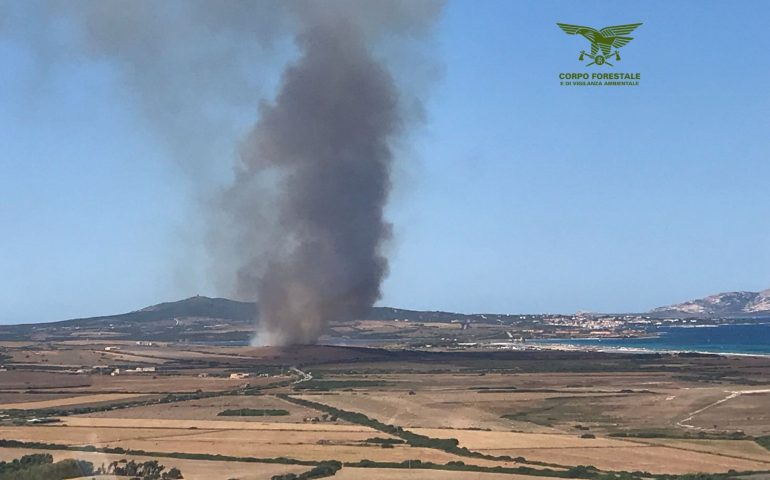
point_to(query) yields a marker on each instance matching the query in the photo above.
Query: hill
(200, 318)
(193, 307)
(246, 313)
(722, 305)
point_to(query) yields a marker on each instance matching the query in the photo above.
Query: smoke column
(307, 204)
(299, 226)
(326, 139)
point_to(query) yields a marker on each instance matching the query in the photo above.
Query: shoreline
(730, 342)
(547, 345)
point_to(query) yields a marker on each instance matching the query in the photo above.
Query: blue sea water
(743, 339)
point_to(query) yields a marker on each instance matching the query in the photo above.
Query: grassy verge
(253, 412)
(679, 435)
(329, 385)
(764, 441)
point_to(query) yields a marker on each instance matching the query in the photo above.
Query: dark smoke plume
(300, 227)
(327, 139)
(317, 166)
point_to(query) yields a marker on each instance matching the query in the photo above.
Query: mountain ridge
(215, 320)
(246, 312)
(722, 304)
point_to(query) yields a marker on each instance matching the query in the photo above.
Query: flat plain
(445, 414)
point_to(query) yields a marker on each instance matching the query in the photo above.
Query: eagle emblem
(604, 40)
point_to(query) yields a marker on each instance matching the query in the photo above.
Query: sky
(517, 195)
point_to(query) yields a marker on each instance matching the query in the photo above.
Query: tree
(172, 474)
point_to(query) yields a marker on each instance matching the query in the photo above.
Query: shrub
(253, 412)
(764, 441)
(324, 469)
(40, 466)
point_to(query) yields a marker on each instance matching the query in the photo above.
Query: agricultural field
(67, 401)
(210, 408)
(354, 473)
(746, 409)
(547, 404)
(391, 414)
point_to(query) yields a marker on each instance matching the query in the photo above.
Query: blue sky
(522, 196)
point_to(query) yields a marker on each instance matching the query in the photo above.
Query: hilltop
(722, 305)
(201, 318)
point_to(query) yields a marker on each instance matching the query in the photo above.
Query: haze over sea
(741, 339)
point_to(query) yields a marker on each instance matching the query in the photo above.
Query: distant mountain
(193, 307)
(727, 304)
(246, 312)
(206, 310)
(202, 307)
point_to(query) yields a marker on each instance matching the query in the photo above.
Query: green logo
(606, 39)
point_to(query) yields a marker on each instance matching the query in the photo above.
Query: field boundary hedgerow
(578, 472)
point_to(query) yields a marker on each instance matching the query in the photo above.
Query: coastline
(567, 347)
(727, 340)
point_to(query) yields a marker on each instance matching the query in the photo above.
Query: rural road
(730, 396)
(303, 376)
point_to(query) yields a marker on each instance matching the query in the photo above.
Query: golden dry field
(539, 410)
(108, 422)
(354, 473)
(209, 408)
(66, 401)
(678, 457)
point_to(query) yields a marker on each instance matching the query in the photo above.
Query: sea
(738, 339)
(745, 339)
